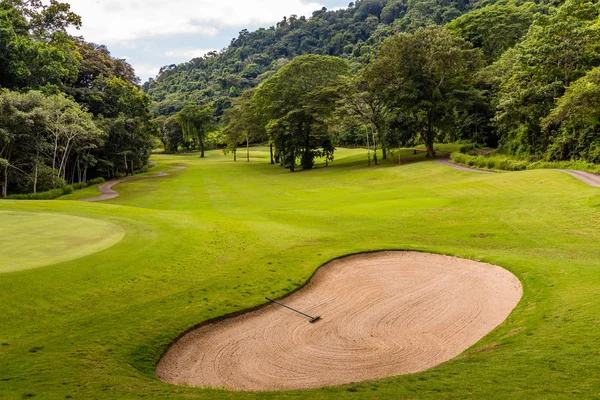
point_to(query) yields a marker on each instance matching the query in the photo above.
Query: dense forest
(69, 112)
(521, 76)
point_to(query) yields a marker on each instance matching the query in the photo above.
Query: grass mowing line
(220, 236)
(33, 240)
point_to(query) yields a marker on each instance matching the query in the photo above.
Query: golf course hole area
(33, 240)
(382, 314)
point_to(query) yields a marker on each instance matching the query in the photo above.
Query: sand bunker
(383, 314)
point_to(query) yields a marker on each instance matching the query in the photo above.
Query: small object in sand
(312, 319)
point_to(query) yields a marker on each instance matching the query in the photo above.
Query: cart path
(109, 193)
(382, 314)
(585, 177)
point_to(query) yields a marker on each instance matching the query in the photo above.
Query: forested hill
(353, 33)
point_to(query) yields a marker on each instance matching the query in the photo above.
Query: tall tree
(294, 104)
(197, 122)
(426, 76)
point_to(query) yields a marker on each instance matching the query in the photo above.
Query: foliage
(427, 76)
(294, 105)
(73, 108)
(352, 33)
(505, 163)
(496, 28)
(196, 123)
(574, 125)
(558, 49)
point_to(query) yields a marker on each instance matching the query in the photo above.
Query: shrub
(97, 181)
(47, 179)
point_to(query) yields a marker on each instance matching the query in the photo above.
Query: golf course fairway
(216, 238)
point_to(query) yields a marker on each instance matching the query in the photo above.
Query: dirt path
(383, 314)
(463, 167)
(585, 177)
(109, 193)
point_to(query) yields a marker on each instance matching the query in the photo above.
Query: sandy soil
(109, 193)
(463, 167)
(383, 314)
(586, 177)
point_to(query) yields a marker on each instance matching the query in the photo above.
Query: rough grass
(217, 237)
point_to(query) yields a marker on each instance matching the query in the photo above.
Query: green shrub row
(56, 193)
(509, 164)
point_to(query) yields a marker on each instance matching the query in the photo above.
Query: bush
(47, 180)
(97, 181)
(508, 164)
(56, 193)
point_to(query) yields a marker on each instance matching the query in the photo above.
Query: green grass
(444, 147)
(217, 237)
(33, 240)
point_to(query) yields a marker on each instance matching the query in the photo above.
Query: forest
(518, 76)
(69, 112)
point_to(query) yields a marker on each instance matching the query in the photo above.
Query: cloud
(188, 52)
(146, 71)
(125, 21)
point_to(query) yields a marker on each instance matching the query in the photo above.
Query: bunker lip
(383, 314)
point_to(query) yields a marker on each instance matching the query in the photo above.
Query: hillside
(352, 33)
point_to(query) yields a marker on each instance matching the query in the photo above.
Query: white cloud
(146, 71)
(124, 21)
(187, 52)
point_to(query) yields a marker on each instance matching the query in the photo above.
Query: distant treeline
(69, 112)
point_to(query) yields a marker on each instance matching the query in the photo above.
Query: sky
(150, 34)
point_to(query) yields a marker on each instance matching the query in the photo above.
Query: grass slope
(217, 237)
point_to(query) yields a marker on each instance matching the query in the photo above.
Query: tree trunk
(235, 154)
(35, 178)
(429, 141)
(201, 147)
(368, 147)
(132, 169)
(374, 148)
(126, 170)
(271, 149)
(247, 148)
(5, 185)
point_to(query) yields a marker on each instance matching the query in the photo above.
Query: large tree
(197, 122)
(295, 103)
(426, 77)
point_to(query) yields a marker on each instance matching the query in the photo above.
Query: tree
(558, 49)
(43, 133)
(364, 98)
(35, 49)
(294, 104)
(496, 28)
(196, 123)
(241, 124)
(426, 76)
(574, 124)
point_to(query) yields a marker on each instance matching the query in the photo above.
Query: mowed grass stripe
(219, 236)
